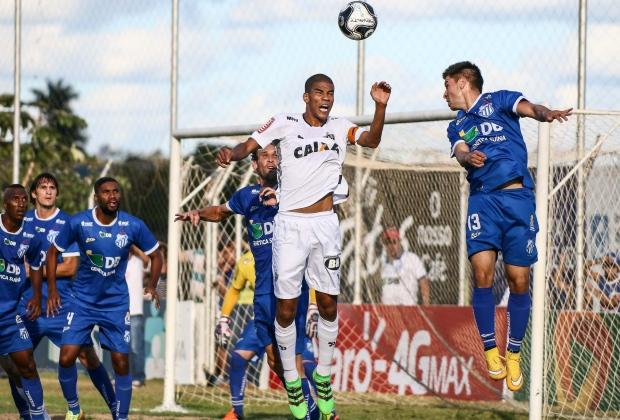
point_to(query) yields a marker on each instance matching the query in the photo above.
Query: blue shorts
(265, 316)
(114, 328)
(14, 336)
(249, 341)
(503, 220)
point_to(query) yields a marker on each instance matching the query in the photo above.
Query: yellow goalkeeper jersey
(241, 289)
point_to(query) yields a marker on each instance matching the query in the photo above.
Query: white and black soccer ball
(357, 20)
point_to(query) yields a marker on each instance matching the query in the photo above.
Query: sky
(241, 61)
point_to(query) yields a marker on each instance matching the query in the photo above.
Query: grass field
(149, 396)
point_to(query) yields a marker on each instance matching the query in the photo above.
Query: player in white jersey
(306, 240)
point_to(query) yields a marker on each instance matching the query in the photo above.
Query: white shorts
(306, 245)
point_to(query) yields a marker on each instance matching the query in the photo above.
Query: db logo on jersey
(332, 263)
(266, 125)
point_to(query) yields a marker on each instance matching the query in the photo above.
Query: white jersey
(311, 158)
(400, 279)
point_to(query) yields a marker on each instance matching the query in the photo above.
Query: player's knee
(28, 368)
(66, 359)
(120, 363)
(286, 313)
(484, 277)
(89, 358)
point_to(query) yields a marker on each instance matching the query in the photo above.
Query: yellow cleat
(514, 380)
(71, 416)
(495, 364)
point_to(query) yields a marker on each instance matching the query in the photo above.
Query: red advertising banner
(412, 350)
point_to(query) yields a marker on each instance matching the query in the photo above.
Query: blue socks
(68, 383)
(34, 396)
(313, 410)
(101, 380)
(123, 396)
(238, 367)
(20, 400)
(484, 313)
(518, 317)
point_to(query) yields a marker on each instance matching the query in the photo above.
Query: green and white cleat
(296, 401)
(325, 396)
(71, 416)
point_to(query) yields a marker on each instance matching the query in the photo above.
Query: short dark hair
(43, 176)
(316, 78)
(465, 69)
(10, 188)
(103, 180)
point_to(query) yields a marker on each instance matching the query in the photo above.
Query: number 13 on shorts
(473, 222)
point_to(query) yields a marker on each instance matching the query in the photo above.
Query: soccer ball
(357, 20)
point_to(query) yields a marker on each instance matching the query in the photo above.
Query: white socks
(286, 338)
(327, 334)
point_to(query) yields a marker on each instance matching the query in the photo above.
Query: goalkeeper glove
(223, 331)
(312, 321)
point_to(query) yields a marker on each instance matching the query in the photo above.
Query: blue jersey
(258, 220)
(104, 250)
(491, 125)
(15, 249)
(46, 230)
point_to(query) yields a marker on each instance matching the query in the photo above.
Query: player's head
(265, 163)
(611, 266)
(15, 202)
(319, 96)
(461, 80)
(44, 190)
(108, 194)
(391, 241)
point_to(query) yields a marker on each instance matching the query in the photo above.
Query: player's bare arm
(237, 153)
(466, 158)
(425, 290)
(207, 214)
(541, 113)
(33, 307)
(53, 298)
(67, 268)
(380, 93)
(151, 288)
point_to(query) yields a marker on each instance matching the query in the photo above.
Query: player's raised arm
(380, 93)
(237, 153)
(208, 214)
(541, 113)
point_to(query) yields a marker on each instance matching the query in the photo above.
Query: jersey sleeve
(453, 137)
(35, 256)
(144, 239)
(236, 203)
(66, 236)
(72, 251)
(272, 130)
(352, 131)
(508, 100)
(417, 266)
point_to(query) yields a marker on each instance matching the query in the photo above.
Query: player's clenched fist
(476, 158)
(380, 92)
(224, 157)
(223, 331)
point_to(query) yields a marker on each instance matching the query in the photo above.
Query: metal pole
(463, 283)
(359, 110)
(581, 145)
(168, 403)
(540, 271)
(17, 88)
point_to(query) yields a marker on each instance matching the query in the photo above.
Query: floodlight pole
(359, 110)
(17, 88)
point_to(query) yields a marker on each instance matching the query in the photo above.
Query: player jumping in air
(48, 220)
(104, 236)
(259, 220)
(486, 139)
(306, 242)
(18, 242)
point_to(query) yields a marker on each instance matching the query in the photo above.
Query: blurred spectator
(603, 285)
(562, 288)
(134, 275)
(402, 273)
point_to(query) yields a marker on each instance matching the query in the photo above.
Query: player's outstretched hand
(561, 116)
(476, 158)
(312, 321)
(380, 92)
(53, 303)
(150, 293)
(224, 156)
(192, 216)
(268, 197)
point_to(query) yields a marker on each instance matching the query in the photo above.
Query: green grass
(148, 397)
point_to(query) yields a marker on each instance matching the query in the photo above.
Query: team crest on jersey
(486, 110)
(23, 334)
(266, 125)
(21, 251)
(51, 236)
(121, 240)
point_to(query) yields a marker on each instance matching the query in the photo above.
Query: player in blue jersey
(104, 235)
(48, 220)
(486, 140)
(19, 244)
(248, 201)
